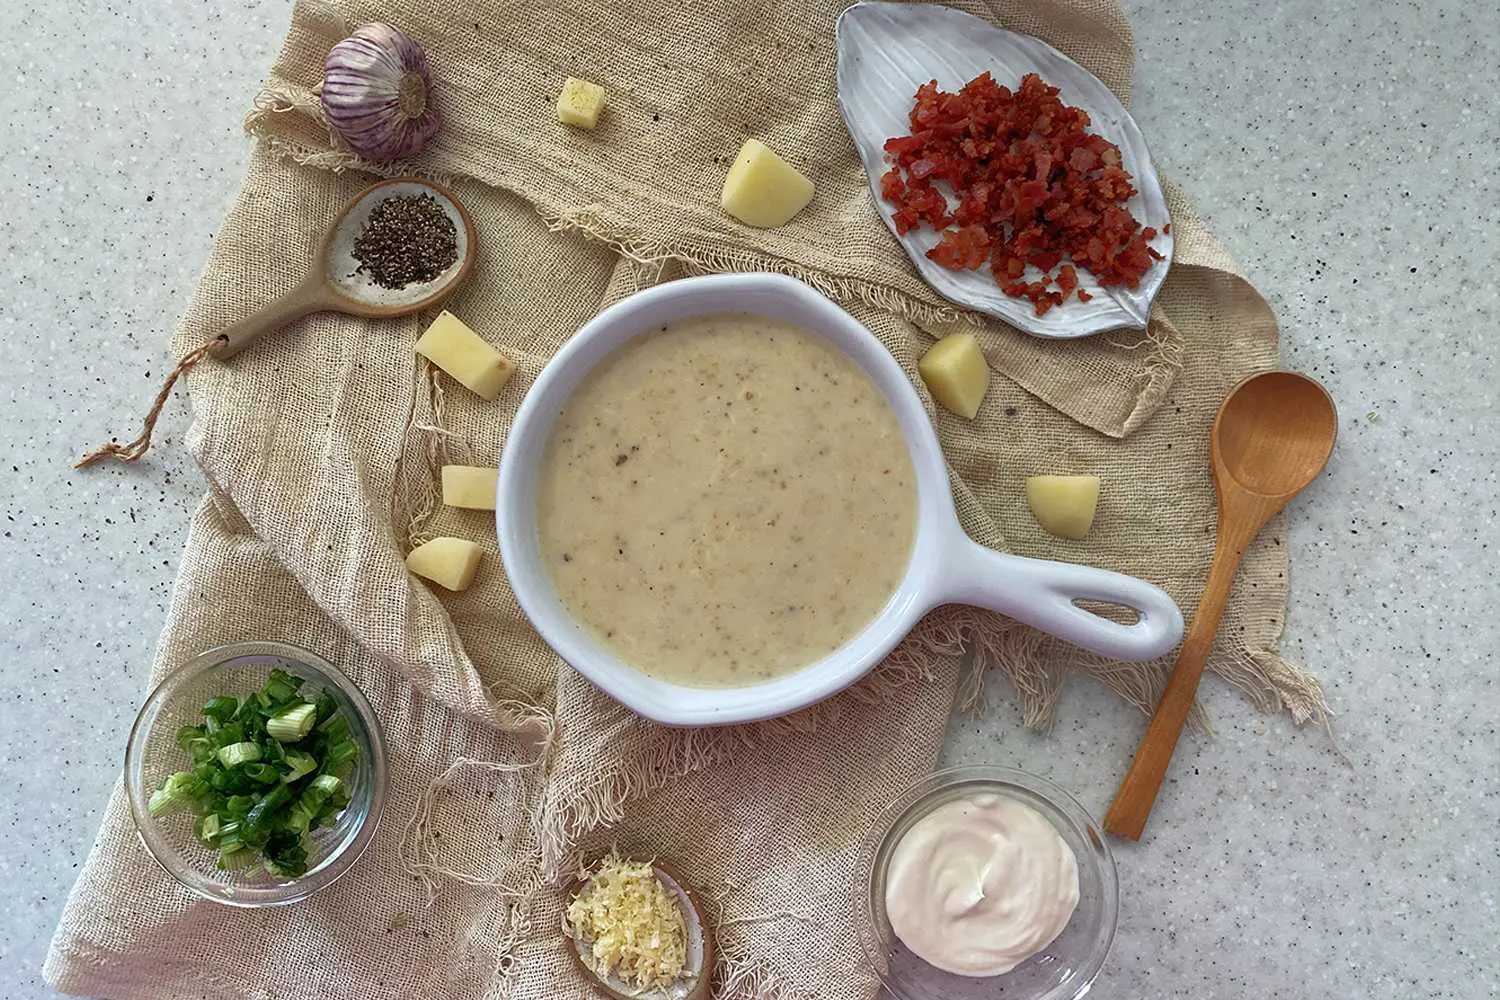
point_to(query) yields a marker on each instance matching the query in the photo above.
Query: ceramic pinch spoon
(334, 282)
(1271, 438)
(700, 947)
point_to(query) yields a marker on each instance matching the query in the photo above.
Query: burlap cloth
(321, 445)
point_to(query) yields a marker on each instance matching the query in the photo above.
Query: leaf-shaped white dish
(887, 50)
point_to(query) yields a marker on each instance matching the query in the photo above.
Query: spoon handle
(1137, 793)
(309, 297)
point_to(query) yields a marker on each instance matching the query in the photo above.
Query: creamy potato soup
(726, 500)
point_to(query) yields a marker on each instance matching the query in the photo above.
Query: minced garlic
(631, 923)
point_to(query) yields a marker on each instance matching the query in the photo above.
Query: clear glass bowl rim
(159, 846)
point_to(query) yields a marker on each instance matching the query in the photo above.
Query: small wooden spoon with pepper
(335, 282)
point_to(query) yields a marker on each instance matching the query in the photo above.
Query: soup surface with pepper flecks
(726, 500)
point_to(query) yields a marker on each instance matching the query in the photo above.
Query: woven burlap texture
(321, 447)
(687, 85)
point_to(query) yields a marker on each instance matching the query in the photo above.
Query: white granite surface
(1345, 151)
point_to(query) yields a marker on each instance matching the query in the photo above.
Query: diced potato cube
(448, 562)
(956, 373)
(459, 351)
(579, 103)
(762, 189)
(1063, 505)
(469, 486)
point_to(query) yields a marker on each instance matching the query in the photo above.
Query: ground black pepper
(407, 240)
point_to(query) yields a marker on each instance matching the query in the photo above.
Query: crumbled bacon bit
(1033, 185)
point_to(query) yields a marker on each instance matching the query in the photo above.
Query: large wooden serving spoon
(1271, 438)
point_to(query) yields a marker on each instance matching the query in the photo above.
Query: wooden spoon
(1272, 437)
(334, 283)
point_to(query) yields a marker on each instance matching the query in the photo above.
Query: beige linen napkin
(321, 447)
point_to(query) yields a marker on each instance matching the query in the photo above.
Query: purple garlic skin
(377, 93)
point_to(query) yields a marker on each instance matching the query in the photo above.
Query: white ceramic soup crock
(946, 566)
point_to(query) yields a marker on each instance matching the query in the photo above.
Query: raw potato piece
(1063, 505)
(579, 103)
(459, 351)
(762, 189)
(471, 487)
(449, 562)
(956, 373)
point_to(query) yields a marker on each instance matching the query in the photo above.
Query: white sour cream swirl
(980, 884)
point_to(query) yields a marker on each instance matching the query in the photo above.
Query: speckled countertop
(1344, 151)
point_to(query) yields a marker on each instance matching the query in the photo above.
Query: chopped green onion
(207, 828)
(239, 753)
(267, 768)
(175, 794)
(299, 817)
(282, 677)
(279, 689)
(266, 774)
(340, 752)
(299, 765)
(240, 857)
(259, 817)
(286, 854)
(336, 728)
(221, 709)
(163, 804)
(292, 724)
(233, 732)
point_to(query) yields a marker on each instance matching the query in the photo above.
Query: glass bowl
(1065, 969)
(152, 754)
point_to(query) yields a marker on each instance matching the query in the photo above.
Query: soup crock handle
(1041, 593)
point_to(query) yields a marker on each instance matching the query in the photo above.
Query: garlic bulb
(377, 91)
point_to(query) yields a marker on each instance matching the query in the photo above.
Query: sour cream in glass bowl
(985, 882)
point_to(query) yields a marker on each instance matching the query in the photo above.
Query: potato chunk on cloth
(462, 353)
(579, 103)
(956, 373)
(448, 562)
(762, 189)
(1063, 505)
(471, 487)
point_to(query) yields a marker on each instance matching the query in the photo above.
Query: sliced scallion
(292, 724)
(208, 827)
(266, 774)
(236, 754)
(234, 860)
(267, 768)
(221, 709)
(299, 765)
